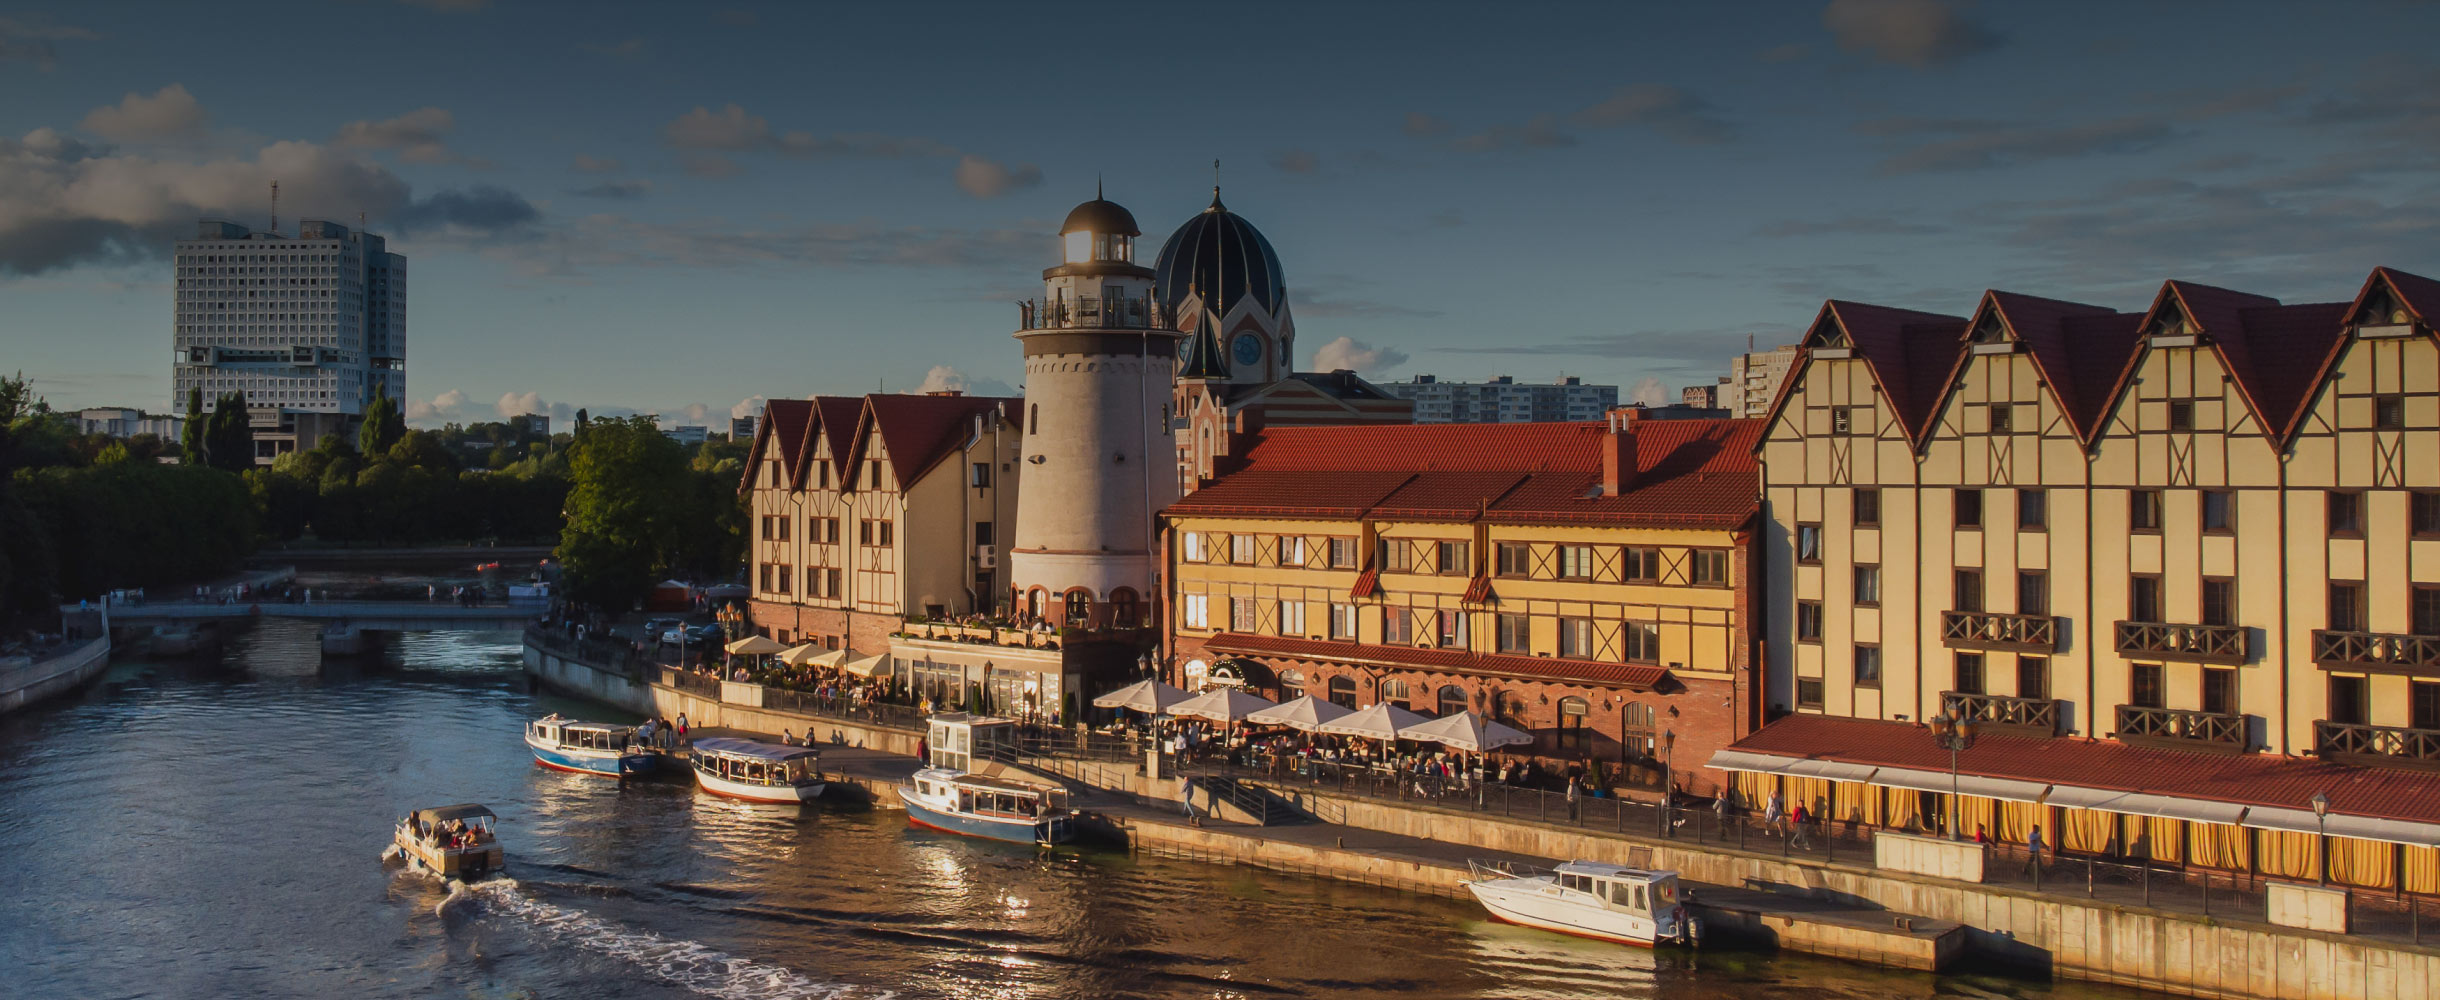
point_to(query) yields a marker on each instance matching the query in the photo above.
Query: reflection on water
(213, 829)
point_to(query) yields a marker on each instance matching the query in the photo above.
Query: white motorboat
(1587, 899)
(757, 772)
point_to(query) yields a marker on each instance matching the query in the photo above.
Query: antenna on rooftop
(275, 208)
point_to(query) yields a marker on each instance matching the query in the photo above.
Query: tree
(624, 512)
(228, 442)
(383, 424)
(191, 434)
(419, 450)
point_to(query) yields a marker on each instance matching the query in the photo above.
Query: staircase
(1260, 806)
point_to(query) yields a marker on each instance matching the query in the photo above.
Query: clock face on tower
(1247, 349)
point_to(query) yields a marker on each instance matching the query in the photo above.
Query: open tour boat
(757, 772)
(450, 841)
(1587, 899)
(588, 747)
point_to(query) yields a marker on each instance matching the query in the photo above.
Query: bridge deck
(367, 612)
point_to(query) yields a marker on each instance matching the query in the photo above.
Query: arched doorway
(1077, 607)
(1033, 604)
(1125, 610)
(1573, 736)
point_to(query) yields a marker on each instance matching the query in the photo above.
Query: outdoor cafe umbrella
(1220, 704)
(754, 645)
(1303, 713)
(1380, 722)
(866, 666)
(1464, 731)
(797, 656)
(1150, 697)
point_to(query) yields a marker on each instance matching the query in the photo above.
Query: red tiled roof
(2274, 352)
(1640, 677)
(837, 417)
(921, 430)
(1366, 583)
(779, 434)
(2063, 339)
(1688, 472)
(1912, 355)
(2245, 779)
(2419, 294)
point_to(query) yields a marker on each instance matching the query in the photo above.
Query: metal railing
(1091, 312)
(599, 651)
(1992, 630)
(2181, 728)
(2193, 643)
(2368, 744)
(691, 682)
(2418, 654)
(844, 708)
(2034, 715)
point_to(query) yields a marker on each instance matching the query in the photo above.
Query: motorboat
(757, 772)
(1589, 899)
(589, 747)
(948, 796)
(450, 841)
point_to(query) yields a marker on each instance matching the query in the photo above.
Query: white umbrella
(1150, 697)
(1380, 722)
(865, 666)
(797, 656)
(755, 645)
(1221, 704)
(829, 659)
(1465, 731)
(1303, 713)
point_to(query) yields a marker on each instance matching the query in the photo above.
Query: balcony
(2383, 652)
(1991, 630)
(2191, 643)
(1999, 714)
(2180, 729)
(1092, 312)
(2389, 746)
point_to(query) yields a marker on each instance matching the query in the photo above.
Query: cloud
(730, 129)
(1296, 161)
(945, 378)
(630, 49)
(1649, 391)
(1986, 145)
(751, 406)
(63, 202)
(990, 179)
(624, 190)
(1854, 225)
(518, 404)
(169, 114)
(447, 406)
(1917, 33)
(1356, 355)
(1671, 111)
(596, 165)
(30, 40)
(1420, 125)
(419, 136)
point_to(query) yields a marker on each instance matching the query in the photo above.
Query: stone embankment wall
(26, 681)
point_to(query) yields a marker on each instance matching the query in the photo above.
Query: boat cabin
(999, 798)
(601, 736)
(956, 740)
(1618, 887)
(749, 763)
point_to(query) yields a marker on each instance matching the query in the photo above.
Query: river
(213, 828)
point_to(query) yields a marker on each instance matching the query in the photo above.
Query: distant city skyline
(684, 210)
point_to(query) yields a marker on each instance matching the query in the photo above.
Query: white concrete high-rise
(308, 326)
(1503, 400)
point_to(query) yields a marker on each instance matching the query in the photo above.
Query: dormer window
(1990, 330)
(2171, 323)
(1828, 335)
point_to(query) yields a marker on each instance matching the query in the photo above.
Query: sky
(686, 209)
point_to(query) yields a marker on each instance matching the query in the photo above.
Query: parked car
(655, 628)
(706, 634)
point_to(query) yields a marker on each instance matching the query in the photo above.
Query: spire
(1216, 205)
(1097, 188)
(1203, 357)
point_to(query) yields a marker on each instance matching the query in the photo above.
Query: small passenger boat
(1587, 899)
(949, 797)
(588, 747)
(450, 841)
(757, 772)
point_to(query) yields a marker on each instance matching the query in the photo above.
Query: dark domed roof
(1217, 249)
(1100, 216)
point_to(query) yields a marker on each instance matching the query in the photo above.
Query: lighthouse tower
(1099, 364)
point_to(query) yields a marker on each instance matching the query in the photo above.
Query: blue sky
(683, 208)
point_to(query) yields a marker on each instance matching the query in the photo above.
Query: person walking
(1186, 800)
(1772, 811)
(681, 725)
(1572, 804)
(2033, 856)
(1800, 822)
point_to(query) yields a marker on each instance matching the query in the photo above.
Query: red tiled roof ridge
(777, 435)
(921, 430)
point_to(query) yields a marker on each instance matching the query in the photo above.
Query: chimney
(1618, 451)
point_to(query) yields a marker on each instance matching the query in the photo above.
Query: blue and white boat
(949, 797)
(757, 772)
(589, 747)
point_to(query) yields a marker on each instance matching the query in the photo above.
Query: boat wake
(696, 967)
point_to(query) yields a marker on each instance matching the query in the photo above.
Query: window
(2220, 690)
(1454, 558)
(2181, 414)
(1397, 627)
(1575, 562)
(2143, 510)
(785, 584)
(1343, 621)
(1078, 605)
(2346, 514)
(2347, 701)
(1643, 642)
(766, 576)
(1867, 666)
(2388, 413)
(1867, 584)
(1515, 559)
(983, 531)
(1241, 614)
(1197, 611)
(1449, 627)
(1515, 634)
(1342, 553)
(1809, 543)
(831, 583)
(2346, 606)
(1291, 551)
(2032, 592)
(1710, 567)
(1969, 503)
(1808, 621)
(1576, 638)
(1840, 421)
(2423, 514)
(2143, 598)
(1292, 618)
(2220, 602)
(1452, 699)
(980, 477)
(2423, 610)
(2032, 677)
(864, 532)
(872, 474)
(1192, 545)
(1643, 564)
(1395, 555)
(1808, 692)
(2032, 510)
(1969, 673)
(1033, 419)
(2003, 418)
(1394, 691)
(1241, 550)
(2219, 511)
(1967, 589)
(1343, 691)
(1868, 508)
(2144, 686)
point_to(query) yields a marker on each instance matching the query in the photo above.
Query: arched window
(1572, 733)
(1033, 419)
(1291, 685)
(1343, 691)
(1078, 606)
(1452, 700)
(1123, 610)
(1394, 692)
(1033, 603)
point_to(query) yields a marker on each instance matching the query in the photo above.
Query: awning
(2196, 810)
(1758, 763)
(2072, 797)
(1965, 784)
(1834, 770)
(2395, 831)
(2290, 820)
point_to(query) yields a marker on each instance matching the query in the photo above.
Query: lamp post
(2321, 815)
(1668, 743)
(1953, 733)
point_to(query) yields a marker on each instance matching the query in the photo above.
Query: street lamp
(1668, 743)
(2321, 814)
(1953, 733)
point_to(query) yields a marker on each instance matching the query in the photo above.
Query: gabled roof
(1698, 473)
(1912, 356)
(2274, 352)
(2076, 347)
(2419, 294)
(919, 431)
(835, 419)
(780, 434)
